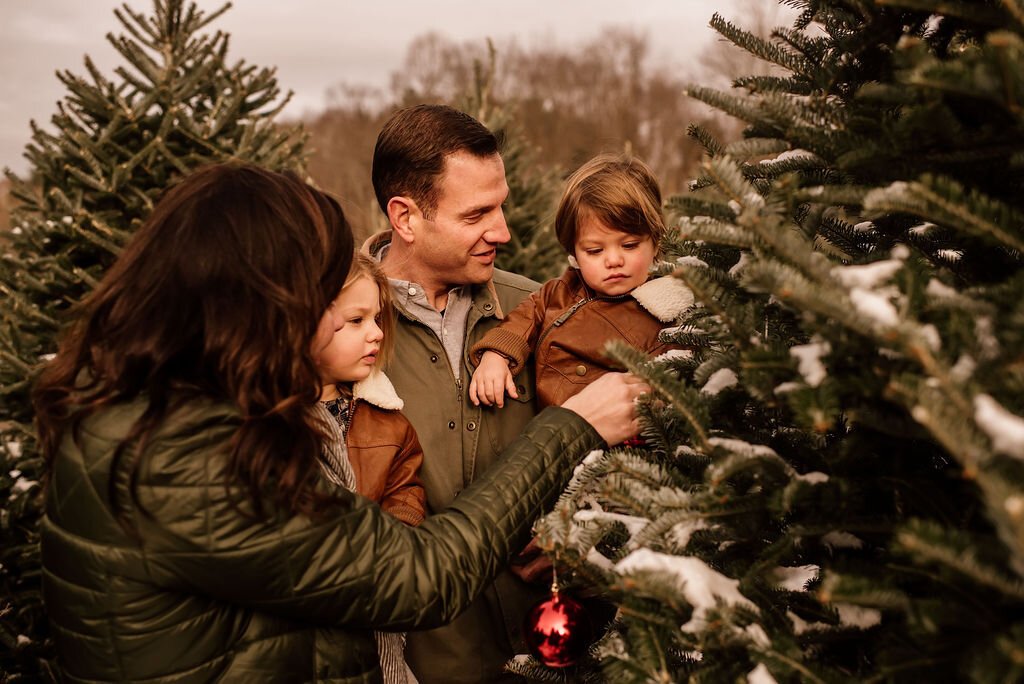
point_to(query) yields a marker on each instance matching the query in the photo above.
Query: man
(440, 180)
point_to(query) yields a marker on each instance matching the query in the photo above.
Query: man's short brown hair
(412, 147)
(617, 189)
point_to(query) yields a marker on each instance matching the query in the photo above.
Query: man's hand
(491, 380)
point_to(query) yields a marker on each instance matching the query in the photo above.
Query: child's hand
(490, 381)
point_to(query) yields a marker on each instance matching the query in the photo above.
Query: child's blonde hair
(364, 266)
(617, 189)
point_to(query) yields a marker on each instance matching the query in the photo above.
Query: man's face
(458, 243)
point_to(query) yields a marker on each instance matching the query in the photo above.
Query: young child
(383, 450)
(609, 221)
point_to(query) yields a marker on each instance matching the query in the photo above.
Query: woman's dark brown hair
(219, 294)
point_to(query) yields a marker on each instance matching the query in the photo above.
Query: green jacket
(460, 442)
(205, 592)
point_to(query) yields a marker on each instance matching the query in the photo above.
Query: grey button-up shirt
(449, 325)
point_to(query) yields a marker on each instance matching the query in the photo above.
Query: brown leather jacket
(566, 325)
(384, 451)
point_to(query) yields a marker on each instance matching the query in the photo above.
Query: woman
(188, 533)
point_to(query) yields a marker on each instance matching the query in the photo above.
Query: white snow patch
(987, 341)
(1014, 505)
(868, 276)
(13, 448)
(589, 460)
(680, 329)
(719, 380)
(931, 336)
(757, 635)
(1005, 429)
(681, 532)
(841, 540)
(791, 154)
(760, 675)
(875, 307)
(921, 228)
(753, 199)
(702, 586)
(813, 478)
(633, 523)
(735, 206)
(690, 260)
(950, 254)
(938, 289)
(864, 227)
(686, 450)
(963, 369)
(23, 484)
(809, 363)
(673, 354)
(857, 616)
(595, 557)
(901, 252)
(799, 624)
(738, 267)
(787, 387)
(794, 578)
(738, 446)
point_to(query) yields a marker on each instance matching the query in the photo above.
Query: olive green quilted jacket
(208, 593)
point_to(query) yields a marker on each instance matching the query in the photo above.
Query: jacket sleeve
(515, 336)
(358, 566)
(404, 496)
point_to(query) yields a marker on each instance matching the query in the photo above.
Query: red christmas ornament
(557, 631)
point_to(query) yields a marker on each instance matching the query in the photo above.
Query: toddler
(609, 222)
(383, 450)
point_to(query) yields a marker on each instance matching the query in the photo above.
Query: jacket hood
(377, 389)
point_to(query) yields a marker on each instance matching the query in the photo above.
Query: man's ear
(402, 213)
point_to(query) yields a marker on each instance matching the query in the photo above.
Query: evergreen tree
(175, 104)
(831, 486)
(533, 250)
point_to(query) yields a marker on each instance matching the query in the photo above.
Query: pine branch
(957, 551)
(946, 202)
(756, 147)
(759, 47)
(972, 11)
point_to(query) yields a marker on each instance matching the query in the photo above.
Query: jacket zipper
(563, 318)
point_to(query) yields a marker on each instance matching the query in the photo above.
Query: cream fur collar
(377, 389)
(665, 297)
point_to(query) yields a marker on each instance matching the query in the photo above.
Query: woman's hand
(608, 404)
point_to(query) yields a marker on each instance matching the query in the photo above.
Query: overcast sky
(316, 44)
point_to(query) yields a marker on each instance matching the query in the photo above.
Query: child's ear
(402, 213)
